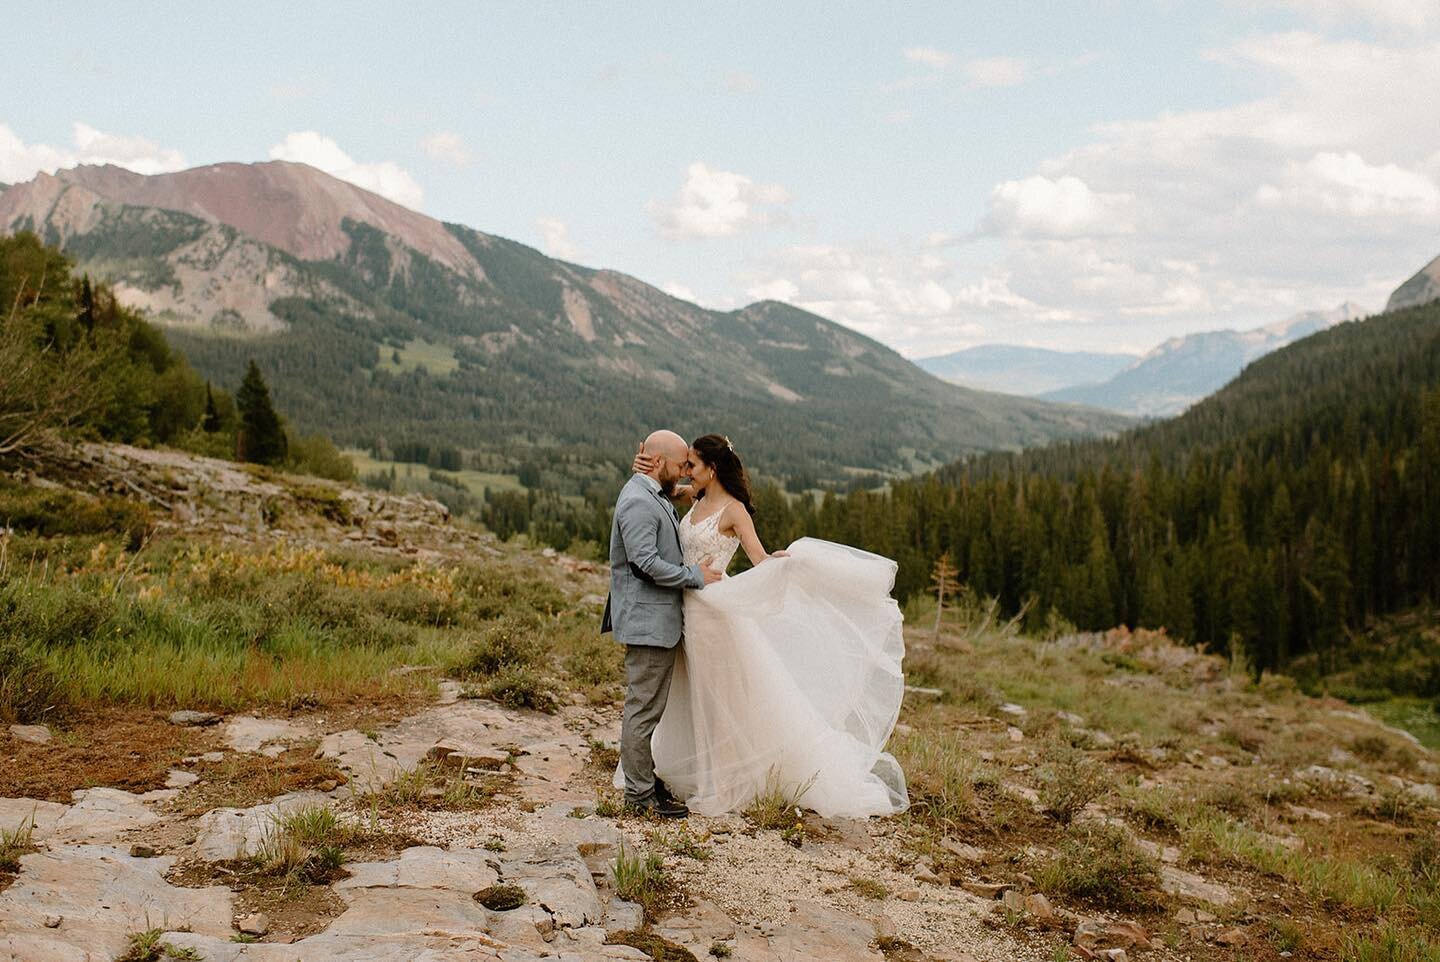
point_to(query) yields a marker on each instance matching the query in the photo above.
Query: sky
(1095, 175)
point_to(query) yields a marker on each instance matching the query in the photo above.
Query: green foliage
(1102, 865)
(640, 879)
(261, 439)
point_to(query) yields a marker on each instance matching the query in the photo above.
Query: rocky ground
(426, 823)
(110, 863)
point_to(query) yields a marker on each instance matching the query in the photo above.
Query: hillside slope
(353, 306)
(1422, 288)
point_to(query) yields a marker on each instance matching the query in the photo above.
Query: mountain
(1013, 369)
(373, 323)
(1185, 369)
(1420, 289)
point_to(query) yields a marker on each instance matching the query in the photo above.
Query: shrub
(511, 642)
(518, 686)
(640, 880)
(1069, 781)
(1100, 864)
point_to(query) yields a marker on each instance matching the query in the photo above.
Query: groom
(647, 581)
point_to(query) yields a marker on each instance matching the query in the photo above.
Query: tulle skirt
(789, 677)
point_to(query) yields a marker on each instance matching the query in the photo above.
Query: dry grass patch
(1069, 781)
(1101, 865)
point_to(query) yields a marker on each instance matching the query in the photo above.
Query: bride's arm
(743, 527)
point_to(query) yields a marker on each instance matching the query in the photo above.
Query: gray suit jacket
(647, 570)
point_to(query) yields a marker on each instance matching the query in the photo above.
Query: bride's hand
(778, 554)
(644, 463)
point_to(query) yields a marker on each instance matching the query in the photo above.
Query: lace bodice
(702, 541)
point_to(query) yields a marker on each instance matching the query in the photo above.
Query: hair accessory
(730, 446)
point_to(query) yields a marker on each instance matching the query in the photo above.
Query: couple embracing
(785, 676)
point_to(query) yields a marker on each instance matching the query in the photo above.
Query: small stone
(1232, 937)
(34, 734)
(257, 924)
(1012, 709)
(908, 895)
(1016, 735)
(1205, 917)
(930, 878)
(1114, 955)
(1186, 917)
(213, 757)
(1127, 935)
(1039, 906)
(193, 718)
(986, 890)
(141, 850)
(52, 921)
(623, 916)
(329, 785)
(1013, 901)
(963, 851)
(179, 779)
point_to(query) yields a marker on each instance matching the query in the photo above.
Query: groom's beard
(667, 487)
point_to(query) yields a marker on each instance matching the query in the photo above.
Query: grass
(189, 625)
(304, 847)
(777, 805)
(147, 946)
(869, 888)
(15, 842)
(433, 786)
(437, 359)
(640, 879)
(476, 483)
(502, 898)
(942, 772)
(1101, 865)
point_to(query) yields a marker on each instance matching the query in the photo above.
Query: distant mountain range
(1161, 383)
(1013, 369)
(1185, 369)
(372, 321)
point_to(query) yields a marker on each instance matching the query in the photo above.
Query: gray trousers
(648, 670)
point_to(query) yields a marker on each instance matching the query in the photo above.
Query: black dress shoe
(659, 808)
(662, 792)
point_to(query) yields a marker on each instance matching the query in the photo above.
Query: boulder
(35, 734)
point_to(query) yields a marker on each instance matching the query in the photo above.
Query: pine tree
(261, 439)
(87, 304)
(211, 423)
(942, 579)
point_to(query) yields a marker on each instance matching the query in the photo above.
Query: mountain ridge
(527, 342)
(1023, 370)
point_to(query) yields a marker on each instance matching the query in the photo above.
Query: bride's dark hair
(716, 452)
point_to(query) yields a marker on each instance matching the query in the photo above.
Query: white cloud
(20, 161)
(718, 203)
(556, 240)
(448, 146)
(1040, 206)
(928, 56)
(1344, 183)
(1413, 15)
(996, 71)
(676, 289)
(386, 178)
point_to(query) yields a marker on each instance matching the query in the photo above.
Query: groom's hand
(710, 574)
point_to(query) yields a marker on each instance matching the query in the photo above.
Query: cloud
(1040, 206)
(1409, 15)
(556, 240)
(718, 203)
(928, 56)
(20, 161)
(996, 71)
(447, 146)
(676, 289)
(1344, 183)
(385, 177)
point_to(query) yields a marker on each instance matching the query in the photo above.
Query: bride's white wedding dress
(788, 671)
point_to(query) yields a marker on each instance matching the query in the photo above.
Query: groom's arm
(637, 531)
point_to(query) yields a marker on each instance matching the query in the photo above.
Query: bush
(511, 642)
(1101, 864)
(520, 687)
(1069, 781)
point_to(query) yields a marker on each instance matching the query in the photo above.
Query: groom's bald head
(667, 444)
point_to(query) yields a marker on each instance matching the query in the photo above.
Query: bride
(789, 675)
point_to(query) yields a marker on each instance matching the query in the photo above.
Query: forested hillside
(1286, 509)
